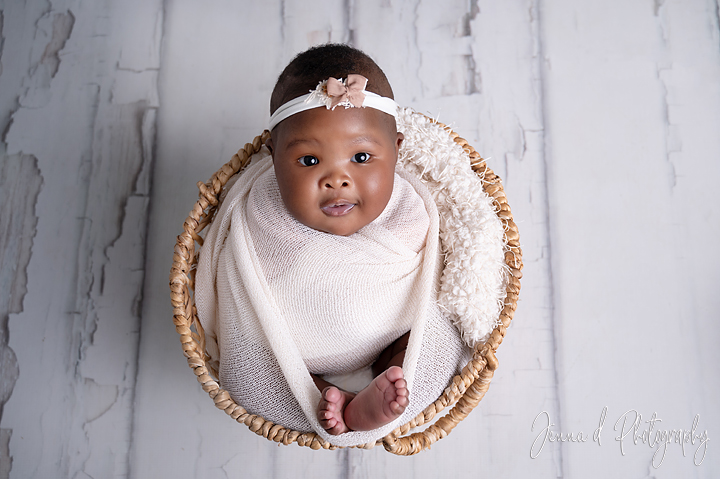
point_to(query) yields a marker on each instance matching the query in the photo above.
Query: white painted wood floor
(603, 118)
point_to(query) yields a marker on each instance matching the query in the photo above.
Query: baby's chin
(341, 220)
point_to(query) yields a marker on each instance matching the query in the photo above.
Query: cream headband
(331, 93)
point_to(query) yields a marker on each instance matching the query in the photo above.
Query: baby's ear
(400, 138)
(269, 144)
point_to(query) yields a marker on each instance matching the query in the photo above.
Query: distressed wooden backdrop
(603, 118)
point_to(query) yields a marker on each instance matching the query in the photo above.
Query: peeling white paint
(20, 184)
(70, 412)
(601, 118)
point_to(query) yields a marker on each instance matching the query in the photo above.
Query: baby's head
(335, 167)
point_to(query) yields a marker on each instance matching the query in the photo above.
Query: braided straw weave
(467, 388)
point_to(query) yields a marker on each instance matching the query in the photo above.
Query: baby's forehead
(355, 124)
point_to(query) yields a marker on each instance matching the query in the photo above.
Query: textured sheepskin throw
(472, 288)
(279, 301)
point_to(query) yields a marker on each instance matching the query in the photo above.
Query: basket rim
(466, 389)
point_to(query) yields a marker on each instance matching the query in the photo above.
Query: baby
(335, 169)
(323, 261)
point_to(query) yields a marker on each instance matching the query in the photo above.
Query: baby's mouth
(338, 208)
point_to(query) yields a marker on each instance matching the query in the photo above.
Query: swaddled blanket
(254, 364)
(283, 301)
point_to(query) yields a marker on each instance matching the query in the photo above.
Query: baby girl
(323, 261)
(335, 169)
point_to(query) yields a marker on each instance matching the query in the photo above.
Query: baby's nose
(336, 179)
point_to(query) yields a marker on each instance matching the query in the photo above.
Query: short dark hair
(335, 60)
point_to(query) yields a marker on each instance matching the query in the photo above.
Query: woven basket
(466, 389)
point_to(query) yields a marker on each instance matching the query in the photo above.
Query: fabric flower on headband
(333, 92)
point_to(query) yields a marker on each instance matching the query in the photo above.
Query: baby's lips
(337, 208)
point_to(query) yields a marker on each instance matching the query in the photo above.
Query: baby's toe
(394, 374)
(331, 394)
(397, 408)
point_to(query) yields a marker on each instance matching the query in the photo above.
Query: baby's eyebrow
(299, 141)
(355, 141)
(365, 139)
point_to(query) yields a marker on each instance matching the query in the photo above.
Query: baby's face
(335, 168)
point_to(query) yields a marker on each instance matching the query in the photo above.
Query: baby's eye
(360, 157)
(308, 160)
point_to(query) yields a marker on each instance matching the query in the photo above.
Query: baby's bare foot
(331, 409)
(378, 404)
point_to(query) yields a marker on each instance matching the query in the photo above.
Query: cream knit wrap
(279, 301)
